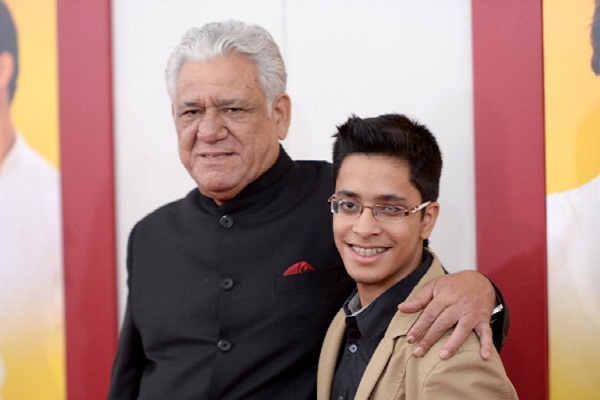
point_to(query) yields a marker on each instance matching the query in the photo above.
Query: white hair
(231, 37)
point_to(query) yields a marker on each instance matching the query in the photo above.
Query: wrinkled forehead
(221, 76)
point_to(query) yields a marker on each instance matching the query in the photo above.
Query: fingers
(463, 300)
(484, 332)
(432, 322)
(429, 328)
(419, 301)
(465, 325)
(459, 335)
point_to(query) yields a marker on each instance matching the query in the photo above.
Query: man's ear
(282, 114)
(431, 213)
(7, 68)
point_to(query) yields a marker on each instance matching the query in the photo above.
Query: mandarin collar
(273, 175)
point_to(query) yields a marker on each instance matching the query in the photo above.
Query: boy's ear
(431, 213)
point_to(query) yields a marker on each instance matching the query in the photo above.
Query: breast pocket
(308, 301)
(307, 280)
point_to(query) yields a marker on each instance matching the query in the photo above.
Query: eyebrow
(379, 198)
(189, 104)
(346, 193)
(220, 103)
(229, 102)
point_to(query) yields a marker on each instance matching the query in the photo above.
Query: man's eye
(190, 112)
(233, 110)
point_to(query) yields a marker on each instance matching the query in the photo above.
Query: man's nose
(211, 127)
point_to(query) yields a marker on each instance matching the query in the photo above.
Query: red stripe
(88, 194)
(510, 192)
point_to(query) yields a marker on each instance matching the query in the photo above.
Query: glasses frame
(374, 207)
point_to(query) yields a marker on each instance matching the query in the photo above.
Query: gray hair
(231, 37)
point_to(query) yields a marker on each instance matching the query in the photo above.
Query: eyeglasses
(381, 212)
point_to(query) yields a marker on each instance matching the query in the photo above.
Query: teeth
(361, 251)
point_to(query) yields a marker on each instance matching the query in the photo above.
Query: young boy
(386, 171)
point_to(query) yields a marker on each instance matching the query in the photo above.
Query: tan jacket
(394, 373)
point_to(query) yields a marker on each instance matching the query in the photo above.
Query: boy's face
(379, 254)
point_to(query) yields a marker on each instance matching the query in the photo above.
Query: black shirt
(365, 327)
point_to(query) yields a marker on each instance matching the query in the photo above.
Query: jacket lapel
(399, 327)
(329, 355)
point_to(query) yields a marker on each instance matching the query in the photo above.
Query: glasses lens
(333, 204)
(345, 208)
(389, 212)
(381, 212)
(349, 208)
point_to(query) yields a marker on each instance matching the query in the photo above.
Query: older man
(231, 288)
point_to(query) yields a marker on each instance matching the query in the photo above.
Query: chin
(363, 277)
(216, 183)
(218, 193)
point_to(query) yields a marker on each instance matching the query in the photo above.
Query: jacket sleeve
(130, 359)
(128, 366)
(500, 320)
(466, 376)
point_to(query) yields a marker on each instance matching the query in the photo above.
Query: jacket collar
(400, 325)
(254, 191)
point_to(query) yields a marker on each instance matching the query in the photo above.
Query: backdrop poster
(572, 119)
(31, 267)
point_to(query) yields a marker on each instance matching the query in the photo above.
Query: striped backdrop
(508, 93)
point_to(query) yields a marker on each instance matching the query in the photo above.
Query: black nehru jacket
(210, 314)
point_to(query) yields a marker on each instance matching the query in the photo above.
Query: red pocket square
(298, 268)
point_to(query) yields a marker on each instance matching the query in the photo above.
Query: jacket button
(224, 345)
(226, 221)
(353, 348)
(226, 283)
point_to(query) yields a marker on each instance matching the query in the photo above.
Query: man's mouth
(217, 155)
(368, 252)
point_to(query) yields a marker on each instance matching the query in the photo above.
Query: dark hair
(8, 42)
(395, 136)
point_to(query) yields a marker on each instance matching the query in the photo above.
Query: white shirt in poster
(574, 283)
(31, 277)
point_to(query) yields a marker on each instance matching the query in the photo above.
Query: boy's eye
(391, 209)
(348, 205)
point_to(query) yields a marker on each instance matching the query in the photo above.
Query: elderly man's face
(226, 139)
